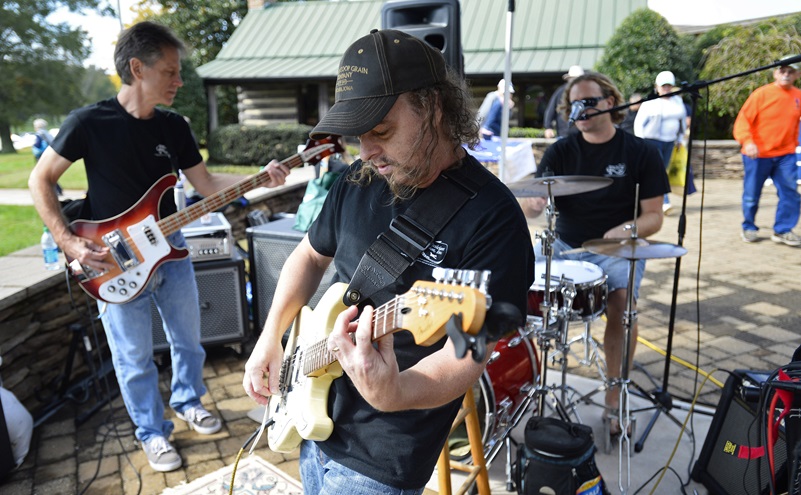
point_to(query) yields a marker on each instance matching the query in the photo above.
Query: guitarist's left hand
(373, 370)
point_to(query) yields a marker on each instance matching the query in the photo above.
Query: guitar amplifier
(209, 238)
(269, 245)
(736, 424)
(223, 305)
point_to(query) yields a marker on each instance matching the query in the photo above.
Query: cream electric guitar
(301, 411)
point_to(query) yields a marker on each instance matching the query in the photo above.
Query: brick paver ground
(742, 300)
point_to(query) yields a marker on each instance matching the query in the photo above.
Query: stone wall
(723, 159)
(35, 330)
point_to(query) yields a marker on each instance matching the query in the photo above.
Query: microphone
(576, 111)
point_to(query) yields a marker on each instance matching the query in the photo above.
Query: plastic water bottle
(50, 251)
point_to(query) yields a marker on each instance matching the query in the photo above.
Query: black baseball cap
(373, 72)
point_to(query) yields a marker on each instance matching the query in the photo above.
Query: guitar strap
(414, 231)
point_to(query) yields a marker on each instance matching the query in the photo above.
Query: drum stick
(574, 251)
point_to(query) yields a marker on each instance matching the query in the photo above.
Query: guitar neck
(386, 319)
(174, 222)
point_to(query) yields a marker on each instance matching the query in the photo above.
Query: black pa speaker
(735, 427)
(269, 246)
(223, 305)
(435, 21)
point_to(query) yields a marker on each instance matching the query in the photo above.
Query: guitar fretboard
(387, 318)
(212, 203)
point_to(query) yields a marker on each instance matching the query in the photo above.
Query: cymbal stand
(548, 311)
(624, 409)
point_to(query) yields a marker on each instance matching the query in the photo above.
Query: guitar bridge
(120, 250)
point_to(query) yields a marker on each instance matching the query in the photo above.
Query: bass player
(127, 145)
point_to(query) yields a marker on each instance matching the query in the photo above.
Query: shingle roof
(305, 40)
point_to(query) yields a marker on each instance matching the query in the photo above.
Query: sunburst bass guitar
(300, 410)
(137, 240)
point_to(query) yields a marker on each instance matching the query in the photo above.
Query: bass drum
(500, 394)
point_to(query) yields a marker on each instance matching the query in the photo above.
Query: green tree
(96, 85)
(205, 25)
(40, 62)
(744, 48)
(642, 46)
(191, 100)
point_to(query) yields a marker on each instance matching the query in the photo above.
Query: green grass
(20, 226)
(15, 169)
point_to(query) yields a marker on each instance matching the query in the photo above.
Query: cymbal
(560, 185)
(634, 249)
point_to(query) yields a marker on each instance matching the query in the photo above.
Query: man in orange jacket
(767, 129)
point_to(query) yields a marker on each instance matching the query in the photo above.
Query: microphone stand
(661, 397)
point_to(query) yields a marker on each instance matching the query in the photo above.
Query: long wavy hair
(458, 126)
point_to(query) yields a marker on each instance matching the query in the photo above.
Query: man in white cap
(767, 129)
(553, 121)
(393, 409)
(662, 121)
(491, 126)
(492, 97)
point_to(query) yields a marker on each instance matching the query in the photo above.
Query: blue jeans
(782, 170)
(322, 475)
(665, 151)
(129, 333)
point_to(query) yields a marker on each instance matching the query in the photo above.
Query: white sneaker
(667, 208)
(200, 420)
(161, 455)
(788, 238)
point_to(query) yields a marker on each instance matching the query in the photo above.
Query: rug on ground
(254, 476)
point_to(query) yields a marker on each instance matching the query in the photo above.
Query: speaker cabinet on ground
(435, 21)
(223, 305)
(269, 246)
(736, 424)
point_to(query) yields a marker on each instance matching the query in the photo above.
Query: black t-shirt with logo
(488, 233)
(124, 156)
(626, 159)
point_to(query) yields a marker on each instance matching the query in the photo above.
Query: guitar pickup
(120, 250)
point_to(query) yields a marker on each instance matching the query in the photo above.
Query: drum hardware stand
(591, 347)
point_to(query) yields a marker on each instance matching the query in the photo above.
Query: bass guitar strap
(414, 231)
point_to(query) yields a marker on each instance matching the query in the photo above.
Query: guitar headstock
(317, 149)
(428, 306)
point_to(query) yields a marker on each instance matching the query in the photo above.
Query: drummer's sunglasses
(590, 102)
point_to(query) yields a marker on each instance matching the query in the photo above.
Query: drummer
(601, 149)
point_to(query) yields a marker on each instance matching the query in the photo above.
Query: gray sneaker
(161, 455)
(200, 420)
(750, 236)
(788, 238)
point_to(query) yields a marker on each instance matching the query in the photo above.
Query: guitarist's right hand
(259, 383)
(86, 252)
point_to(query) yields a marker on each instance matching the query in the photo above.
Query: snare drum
(588, 279)
(500, 393)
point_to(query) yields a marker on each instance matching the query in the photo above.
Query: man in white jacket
(661, 122)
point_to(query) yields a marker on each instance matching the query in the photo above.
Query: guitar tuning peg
(438, 274)
(484, 281)
(468, 277)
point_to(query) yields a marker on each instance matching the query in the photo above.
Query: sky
(104, 30)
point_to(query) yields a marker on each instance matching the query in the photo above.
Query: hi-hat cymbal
(634, 249)
(560, 185)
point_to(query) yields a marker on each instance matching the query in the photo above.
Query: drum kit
(564, 291)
